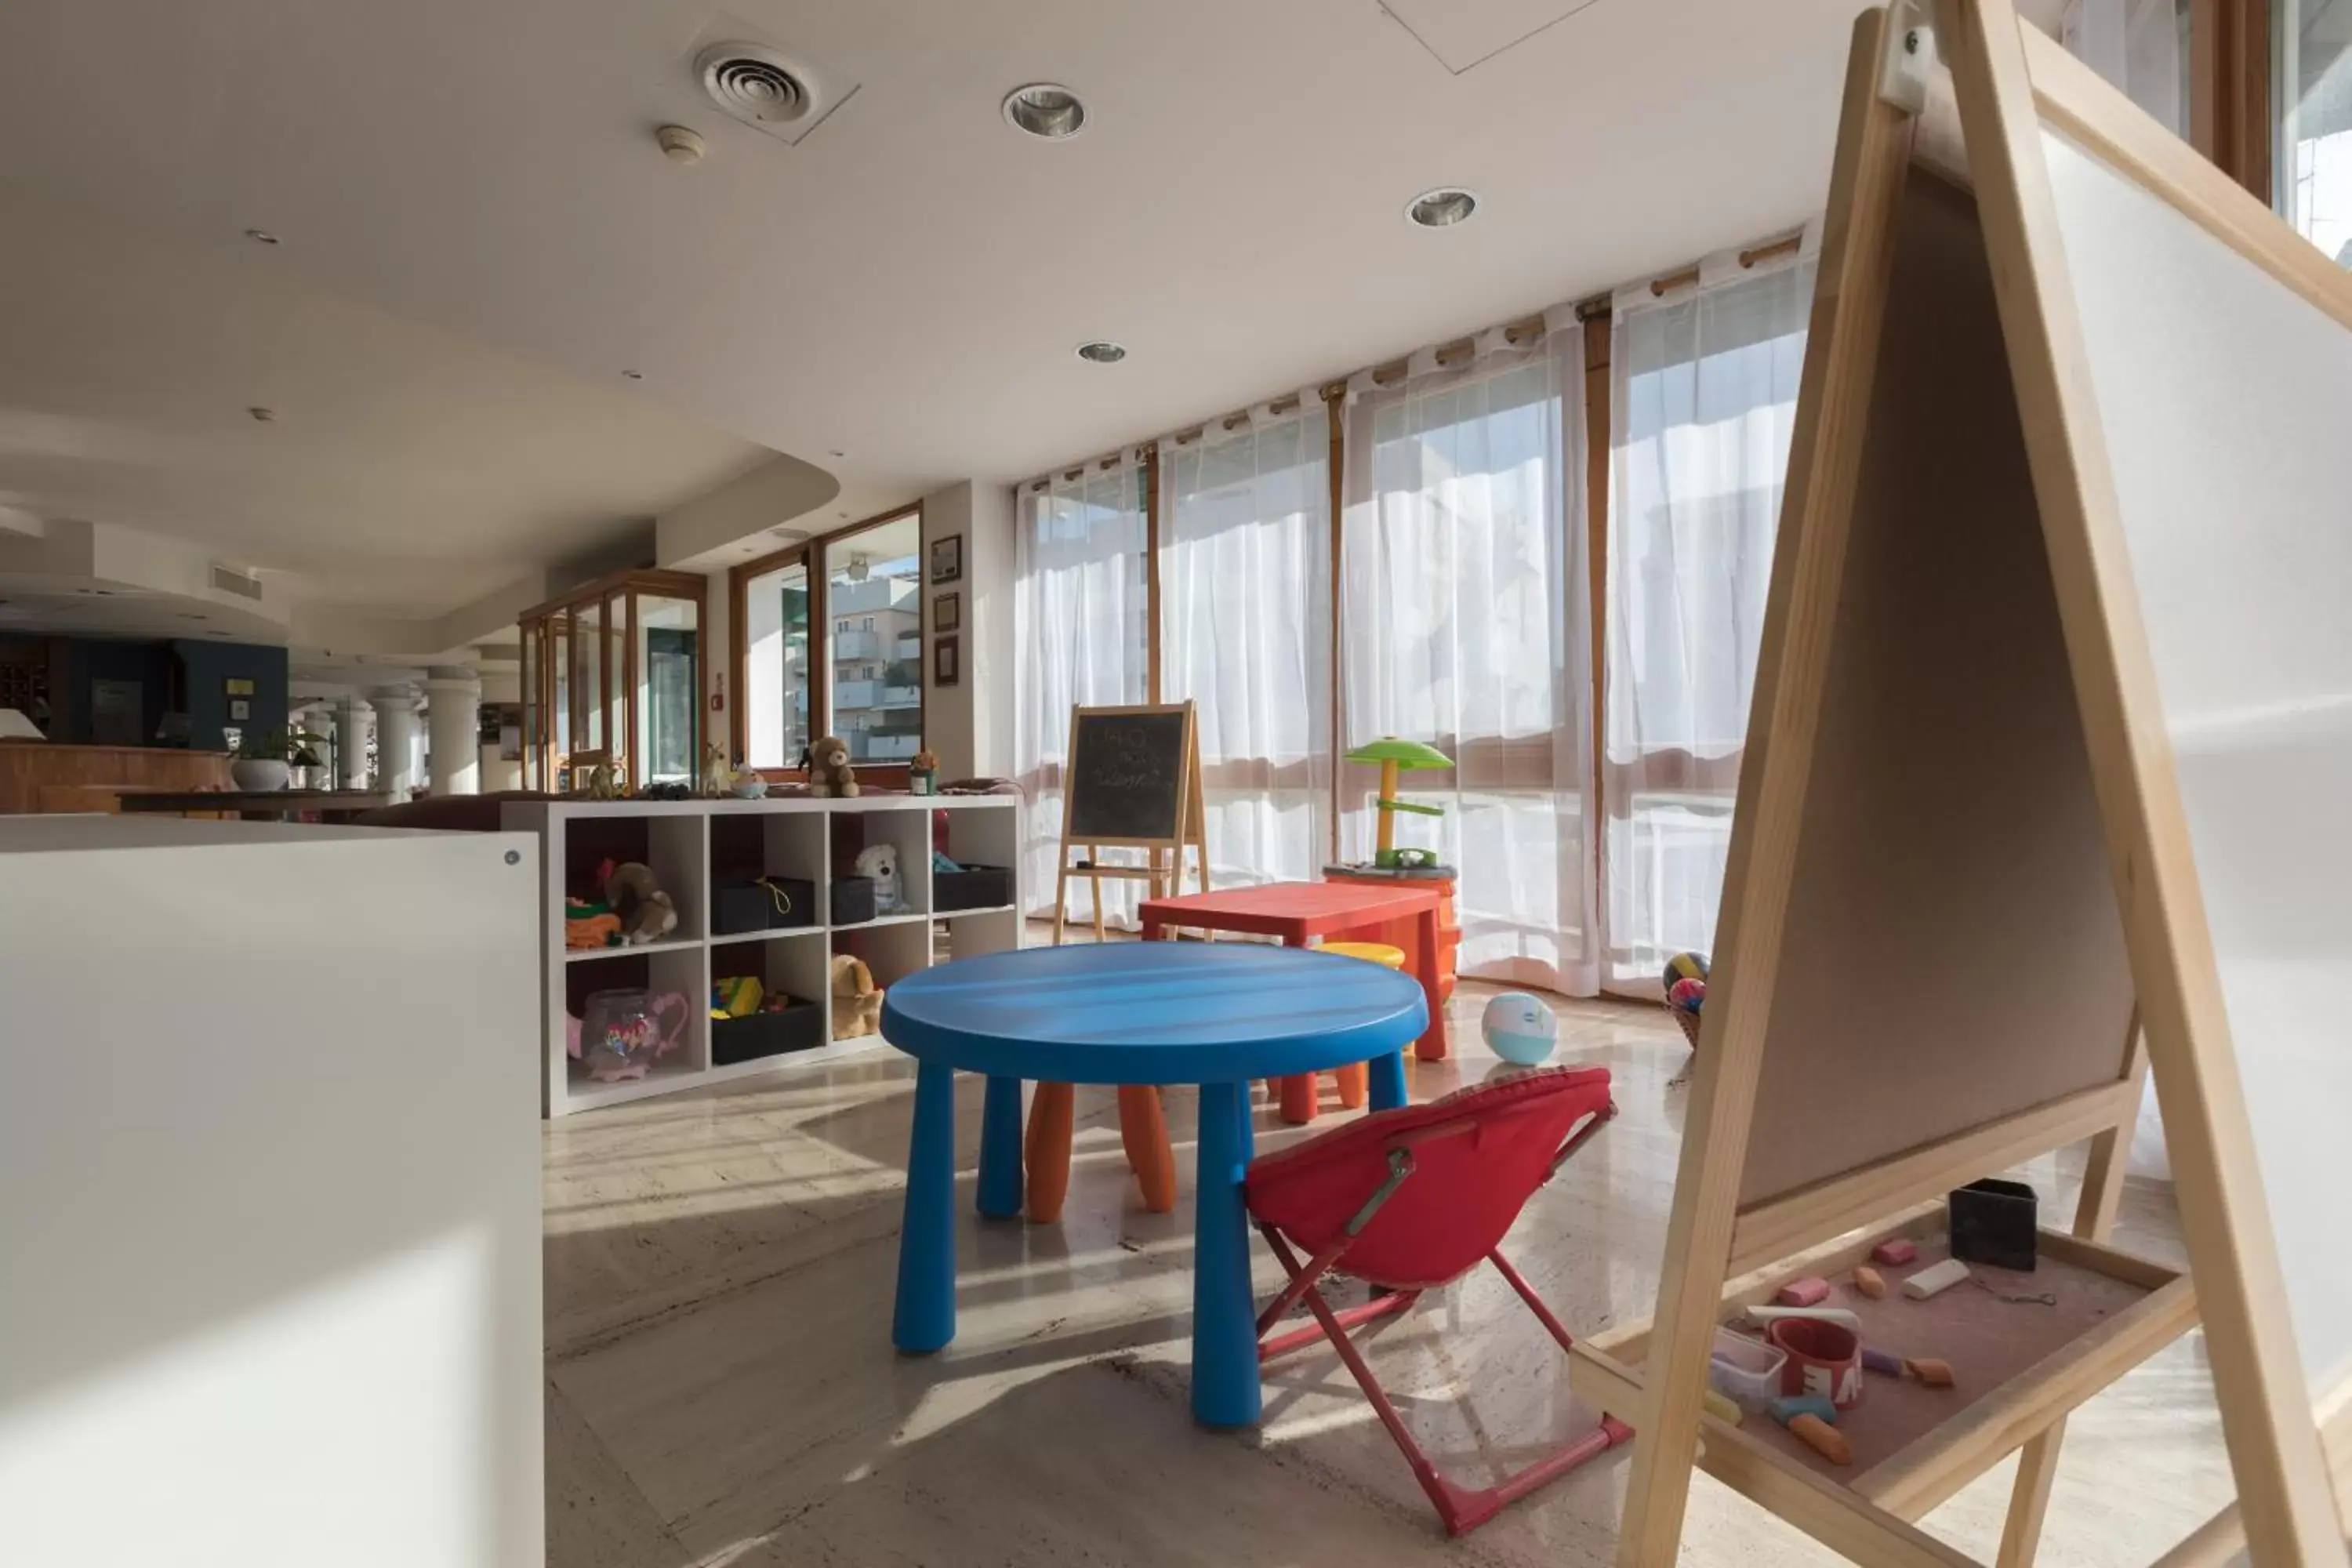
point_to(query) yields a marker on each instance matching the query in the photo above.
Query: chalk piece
(1928, 1370)
(1822, 1438)
(1818, 1406)
(1882, 1362)
(1893, 1254)
(1934, 1279)
(1810, 1291)
(1869, 1282)
(1722, 1409)
(1838, 1315)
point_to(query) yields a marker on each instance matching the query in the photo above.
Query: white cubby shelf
(695, 846)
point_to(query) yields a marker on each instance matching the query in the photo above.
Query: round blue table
(1219, 1015)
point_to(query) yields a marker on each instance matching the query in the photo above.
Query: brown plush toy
(856, 1000)
(829, 769)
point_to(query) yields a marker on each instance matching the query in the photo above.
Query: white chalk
(1935, 1278)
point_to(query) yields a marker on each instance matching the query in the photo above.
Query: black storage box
(1994, 1222)
(974, 888)
(740, 904)
(797, 1027)
(853, 900)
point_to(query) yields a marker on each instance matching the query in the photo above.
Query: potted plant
(264, 761)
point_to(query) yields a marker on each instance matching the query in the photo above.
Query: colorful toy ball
(1687, 995)
(1684, 967)
(1520, 1028)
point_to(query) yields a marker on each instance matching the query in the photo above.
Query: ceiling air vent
(230, 580)
(778, 94)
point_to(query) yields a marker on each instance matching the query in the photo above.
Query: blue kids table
(1216, 1014)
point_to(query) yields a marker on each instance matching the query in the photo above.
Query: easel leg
(1061, 898)
(1094, 853)
(2094, 1218)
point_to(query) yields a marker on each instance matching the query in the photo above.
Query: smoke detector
(778, 94)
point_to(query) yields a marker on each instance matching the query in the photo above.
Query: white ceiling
(478, 179)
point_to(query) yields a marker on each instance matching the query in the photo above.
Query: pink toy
(621, 1035)
(1893, 1254)
(1810, 1291)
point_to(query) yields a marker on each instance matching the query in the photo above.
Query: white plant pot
(259, 772)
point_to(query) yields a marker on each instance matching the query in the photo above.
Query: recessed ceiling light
(260, 236)
(633, 374)
(191, 615)
(834, 452)
(1044, 110)
(1101, 351)
(1443, 207)
(263, 416)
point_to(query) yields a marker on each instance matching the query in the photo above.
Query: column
(454, 709)
(352, 716)
(395, 740)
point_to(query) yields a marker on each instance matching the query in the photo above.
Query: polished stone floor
(721, 1389)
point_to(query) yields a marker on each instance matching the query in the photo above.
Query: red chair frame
(1462, 1508)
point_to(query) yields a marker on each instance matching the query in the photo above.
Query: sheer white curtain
(1465, 626)
(1080, 639)
(2140, 45)
(1703, 394)
(1245, 633)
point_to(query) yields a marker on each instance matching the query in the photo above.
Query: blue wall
(208, 667)
(145, 662)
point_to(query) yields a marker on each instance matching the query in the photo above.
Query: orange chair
(1046, 1149)
(1300, 1095)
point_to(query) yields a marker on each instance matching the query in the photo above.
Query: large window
(2311, 92)
(874, 655)
(1246, 632)
(1082, 629)
(1463, 627)
(830, 641)
(1703, 396)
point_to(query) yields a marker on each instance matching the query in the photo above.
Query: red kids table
(1303, 913)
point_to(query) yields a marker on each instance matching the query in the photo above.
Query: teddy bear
(856, 1000)
(880, 863)
(829, 769)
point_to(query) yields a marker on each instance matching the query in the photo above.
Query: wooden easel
(1970, 902)
(1186, 823)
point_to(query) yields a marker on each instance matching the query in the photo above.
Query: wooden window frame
(614, 597)
(810, 552)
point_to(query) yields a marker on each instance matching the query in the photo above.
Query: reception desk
(37, 776)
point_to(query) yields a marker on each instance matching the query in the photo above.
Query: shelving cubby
(693, 847)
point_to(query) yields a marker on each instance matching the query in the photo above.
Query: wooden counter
(37, 776)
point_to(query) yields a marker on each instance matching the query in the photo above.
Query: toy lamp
(1392, 755)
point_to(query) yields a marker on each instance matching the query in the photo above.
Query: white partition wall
(268, 1198)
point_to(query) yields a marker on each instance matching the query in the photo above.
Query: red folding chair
(1414, 1199)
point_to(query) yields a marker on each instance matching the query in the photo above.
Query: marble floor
(722, 1392)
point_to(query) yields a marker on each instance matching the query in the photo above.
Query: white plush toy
(880, 862)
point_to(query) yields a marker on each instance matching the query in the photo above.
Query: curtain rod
(1755, 255)
(1526, 330)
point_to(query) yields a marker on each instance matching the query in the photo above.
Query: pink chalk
(1893, 1254)
(1810, 1291)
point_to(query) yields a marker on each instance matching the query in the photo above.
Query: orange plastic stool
(1046, 1149)
(1299, 1093)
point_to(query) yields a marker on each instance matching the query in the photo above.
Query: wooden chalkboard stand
(1187, 823)
(2021, 818)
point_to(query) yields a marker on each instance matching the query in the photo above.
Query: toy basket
(1689, 1021)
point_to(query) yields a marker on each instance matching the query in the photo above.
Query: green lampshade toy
(1395, 755)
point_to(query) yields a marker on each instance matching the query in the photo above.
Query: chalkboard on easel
(1133, 782)
(1128, 772)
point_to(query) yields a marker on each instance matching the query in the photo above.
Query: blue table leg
(1248, 1124)
(1388, 1082)
(1225, 1338)
(1000, 1149)
(925, 1319)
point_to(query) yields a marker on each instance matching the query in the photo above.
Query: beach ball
(1520, 1028)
